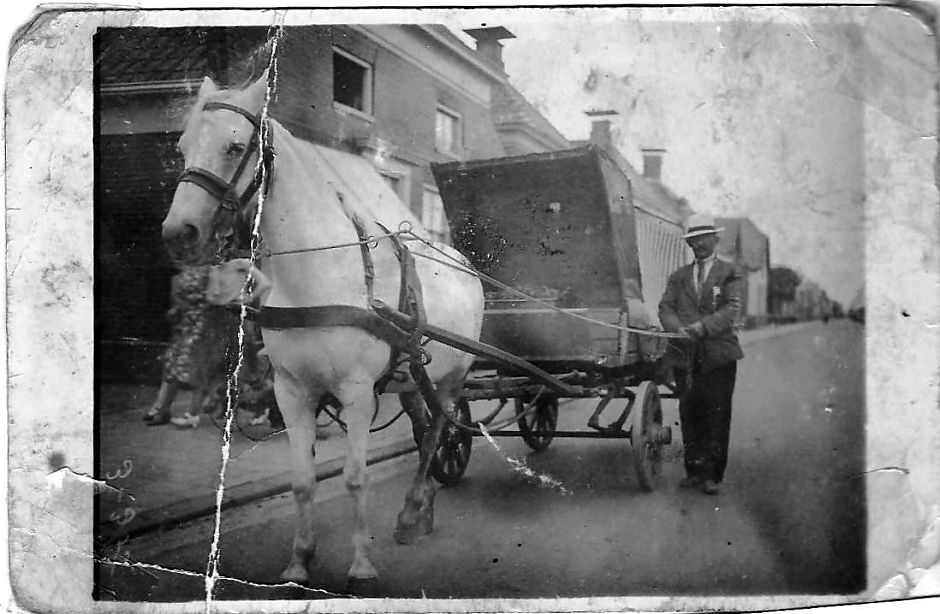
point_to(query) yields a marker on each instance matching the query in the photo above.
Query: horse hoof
(362, 587)
(296, 574)
(425, 525)
(407, 534)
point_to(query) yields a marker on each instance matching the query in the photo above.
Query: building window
(447, 131)
(399, 183)
(397, 176)
(352, 82)
(394, 181)
(432, 215)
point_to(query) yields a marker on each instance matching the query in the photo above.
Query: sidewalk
(171, 475)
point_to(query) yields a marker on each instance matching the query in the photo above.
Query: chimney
(600, 128)
(488, 44)
(653, 163)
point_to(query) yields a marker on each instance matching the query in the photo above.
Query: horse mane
(357, 207)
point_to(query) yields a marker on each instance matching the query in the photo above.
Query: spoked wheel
(453, 452)
(648, 435)
(538, 427)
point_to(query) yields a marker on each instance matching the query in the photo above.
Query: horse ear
(259, 89)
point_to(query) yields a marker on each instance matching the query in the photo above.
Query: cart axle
(565, 434)
(664, 436)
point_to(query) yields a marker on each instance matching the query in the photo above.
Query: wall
(757, 293)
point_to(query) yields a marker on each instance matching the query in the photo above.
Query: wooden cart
(573, 271)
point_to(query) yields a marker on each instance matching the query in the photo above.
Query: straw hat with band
(700, 224)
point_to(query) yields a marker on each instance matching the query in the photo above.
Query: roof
(512, 112)
(743, 241)
(142, 55)
(148, 55)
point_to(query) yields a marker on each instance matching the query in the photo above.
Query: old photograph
(534, 309)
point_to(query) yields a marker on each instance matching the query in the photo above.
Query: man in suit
(702, 300)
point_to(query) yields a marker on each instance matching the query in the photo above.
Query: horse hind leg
(417, 516)
(357, 402)
(293, 399)
(416, 409)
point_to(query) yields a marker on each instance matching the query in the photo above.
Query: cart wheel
(452, 456)
(538, 427)
(648, 435)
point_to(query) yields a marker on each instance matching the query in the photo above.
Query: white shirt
(707, 263)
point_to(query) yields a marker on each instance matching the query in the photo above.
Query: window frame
(457, 134)
(403, 189)
(441, 235)
(368, 90)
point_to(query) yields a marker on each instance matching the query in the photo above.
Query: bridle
(225, 191)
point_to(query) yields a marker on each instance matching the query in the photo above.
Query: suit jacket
(716, 307)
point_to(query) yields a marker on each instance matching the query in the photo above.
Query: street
(790, 517)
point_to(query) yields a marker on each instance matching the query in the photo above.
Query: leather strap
(367, 265)
(324, 316)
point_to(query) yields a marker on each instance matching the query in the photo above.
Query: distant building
(812, 301)
(743, 244)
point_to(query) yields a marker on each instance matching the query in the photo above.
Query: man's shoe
(692, 481)
(710, 487)
(156, 418)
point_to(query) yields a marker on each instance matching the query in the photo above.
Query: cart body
(562, 227)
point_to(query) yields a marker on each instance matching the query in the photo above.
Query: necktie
(700, 280)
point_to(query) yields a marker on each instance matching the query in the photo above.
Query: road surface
(790, 517)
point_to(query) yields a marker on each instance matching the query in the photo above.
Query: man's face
(703, 245)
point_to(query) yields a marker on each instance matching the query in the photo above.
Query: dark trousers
(705, 412)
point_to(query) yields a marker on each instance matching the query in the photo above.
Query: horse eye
(235, 149)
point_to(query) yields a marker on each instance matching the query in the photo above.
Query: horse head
(220, 144)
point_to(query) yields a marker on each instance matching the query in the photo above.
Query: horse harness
(401, 329)
(230, 202)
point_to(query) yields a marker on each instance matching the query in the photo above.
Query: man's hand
(696, 331)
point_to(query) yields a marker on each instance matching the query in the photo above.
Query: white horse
(303, 208)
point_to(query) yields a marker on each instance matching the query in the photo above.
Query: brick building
(401, 96)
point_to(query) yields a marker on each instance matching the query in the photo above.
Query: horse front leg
(357, 400)
(294, 401)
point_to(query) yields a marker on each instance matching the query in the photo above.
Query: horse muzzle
(182, 241)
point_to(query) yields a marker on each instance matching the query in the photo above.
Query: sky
(755, 108)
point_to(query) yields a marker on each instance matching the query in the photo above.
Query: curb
(167, 516)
